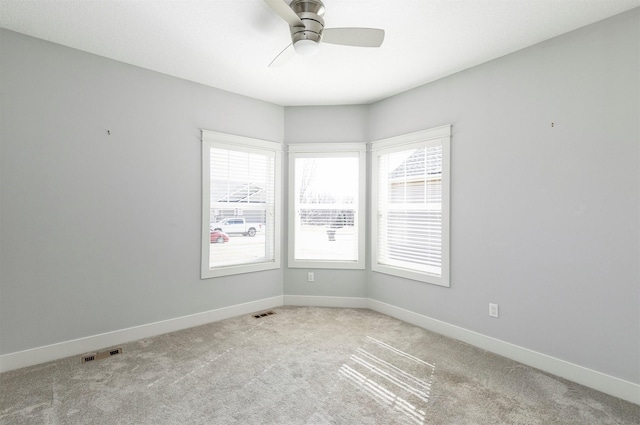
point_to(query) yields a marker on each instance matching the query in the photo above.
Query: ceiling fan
(307, 30)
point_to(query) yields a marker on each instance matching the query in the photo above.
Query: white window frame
(328, 150)
(229, 141)
(431, 137)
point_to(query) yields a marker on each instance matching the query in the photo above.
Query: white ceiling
(228, 44)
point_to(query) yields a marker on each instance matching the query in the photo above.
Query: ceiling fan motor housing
(306, 23)
(310, 13)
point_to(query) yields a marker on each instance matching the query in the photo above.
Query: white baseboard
(590, 378)
(320, 301)
(599, 381)
(80, 346)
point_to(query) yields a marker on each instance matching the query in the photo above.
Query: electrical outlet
(310, 277)
(493, 310)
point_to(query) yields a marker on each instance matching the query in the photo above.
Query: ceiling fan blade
(361, 37)
(283, 57)
(285, 12)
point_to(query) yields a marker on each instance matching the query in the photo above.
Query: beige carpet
(301, 366)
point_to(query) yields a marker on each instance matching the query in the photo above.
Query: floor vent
(268, 313)
(101, 355)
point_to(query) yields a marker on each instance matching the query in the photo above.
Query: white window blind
(326, 198)
(240, 177)
(411, 206)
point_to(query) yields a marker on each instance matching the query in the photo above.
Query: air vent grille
(260, 315)
(101, 355)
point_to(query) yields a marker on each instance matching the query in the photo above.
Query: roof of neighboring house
(422, 161)
(237, 192)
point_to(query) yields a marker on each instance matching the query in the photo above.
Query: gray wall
(99, 232)
(545, 220)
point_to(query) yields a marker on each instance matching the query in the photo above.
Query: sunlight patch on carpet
(392, 378)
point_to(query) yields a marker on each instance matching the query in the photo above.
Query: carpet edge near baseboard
(608, 384)
(56, 351)
(611, 385)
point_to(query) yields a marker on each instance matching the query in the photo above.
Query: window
(326, 205)
(410, 206)
(241, 184)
